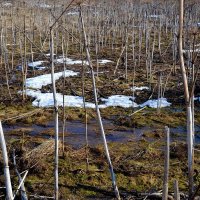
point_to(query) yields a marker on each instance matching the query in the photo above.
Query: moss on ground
(138, 166)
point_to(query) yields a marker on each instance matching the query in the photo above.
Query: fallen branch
(137, 111)
(22, 182)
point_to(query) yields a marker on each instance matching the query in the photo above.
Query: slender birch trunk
(55, 115)
(166, 170)
(98, 111)
(176, 191)
(9, 193)
(64, 114)
(187, 100)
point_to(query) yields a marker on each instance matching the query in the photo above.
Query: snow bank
(46, 100)
(119, 100)
(43, 80)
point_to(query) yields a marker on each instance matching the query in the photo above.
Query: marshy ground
(136, 140)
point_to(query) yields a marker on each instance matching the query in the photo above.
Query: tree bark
(166, 169)
(9, 193)
(187, 100)
(55, 115)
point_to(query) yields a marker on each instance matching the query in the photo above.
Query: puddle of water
(75, 132)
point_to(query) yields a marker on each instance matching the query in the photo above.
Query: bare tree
(189, 92)
(166, 169)
(9, 193)
(97, 109)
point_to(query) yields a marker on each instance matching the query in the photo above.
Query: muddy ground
(138, 160)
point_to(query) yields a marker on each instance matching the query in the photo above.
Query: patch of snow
(119, 100)
(191, 50)
(46, 100)
(197, 99)
(44, 5)
(48, 54)
(69, 61)
(7, 4)
(139, 88)
(73, 13)
(43, 80)
(19, 68)
(104, 61)
(37, 65)
(153, 103)
(155, 16)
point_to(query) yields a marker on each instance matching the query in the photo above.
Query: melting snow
(139, 88)
(73, 13)
(46, 99)
(69, 61)
(36, 65)
(197, 99)
(153, 103)
(119, 100)
(43, 80)
(104, 61)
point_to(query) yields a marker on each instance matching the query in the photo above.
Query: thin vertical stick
(9, 193)
(176, 191)
(166, 169)
(55, 114)
(64, 114)
(98, 111)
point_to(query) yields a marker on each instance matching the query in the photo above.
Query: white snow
(119, 100)
(153, 103)
(73, 13)
(46, 99)
(156, 16)
(37, 65)
(197, 99)
(69, 61)
(104, 61)
(7, 4)
(191, 50)
(43, 80)
(48, 54)
(43, 5)
(139, 88)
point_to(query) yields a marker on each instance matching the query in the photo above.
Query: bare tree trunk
(176, 191)
(9, 193)
(55, 115)
(166, 170)
(98, 111)
(64, 114)
(187, 100)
